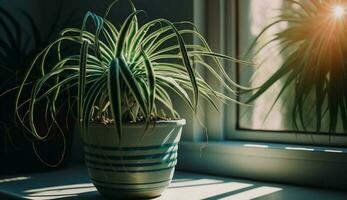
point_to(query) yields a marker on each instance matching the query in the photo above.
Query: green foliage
(315, 62)
(127, 74)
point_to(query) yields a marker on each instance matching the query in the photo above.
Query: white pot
(141, 166)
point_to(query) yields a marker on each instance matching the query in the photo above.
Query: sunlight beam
(253, 193)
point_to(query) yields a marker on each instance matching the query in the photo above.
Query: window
(230, 26)
(246, 151)
(260, 122)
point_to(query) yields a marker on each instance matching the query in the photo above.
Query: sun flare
(339, 11)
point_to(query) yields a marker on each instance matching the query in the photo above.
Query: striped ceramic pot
(141, 167)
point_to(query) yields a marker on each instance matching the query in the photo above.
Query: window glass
(254, 16)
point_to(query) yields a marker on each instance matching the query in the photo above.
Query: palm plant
(315, 61)
(124, 75)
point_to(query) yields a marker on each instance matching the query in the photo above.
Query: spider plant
(125, 75)
(314, 49)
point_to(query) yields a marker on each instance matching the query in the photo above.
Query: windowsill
(296, 164)
(74, 183)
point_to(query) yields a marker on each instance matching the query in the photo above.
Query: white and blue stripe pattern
(130, 170)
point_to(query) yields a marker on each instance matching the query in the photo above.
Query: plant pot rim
(178, 122)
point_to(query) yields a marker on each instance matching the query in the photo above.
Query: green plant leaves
(134, 87)
(125, 75)
(187, 64)
(114, 93)
(151, 81)
(82, 80)
(122, 33)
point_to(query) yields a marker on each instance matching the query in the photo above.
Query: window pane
(264, 115)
